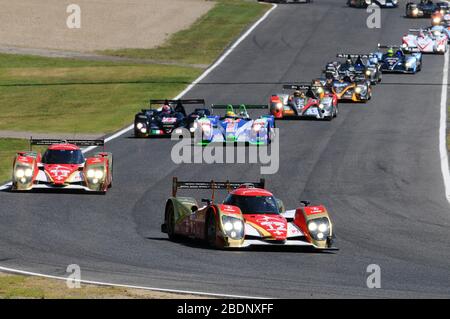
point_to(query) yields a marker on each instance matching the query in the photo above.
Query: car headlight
(415, 11)
(206, 128)
(23, 174)
(28, 172)
(20, 173)
(358, 90)
(90, 173)
(312, 226)
(319, 90)
(368, 72)
(436, 20)
(408, 64)
(319, 228)
(279, 105)
(95, 175)
(233, 227)
(257, 127)
(139, 125)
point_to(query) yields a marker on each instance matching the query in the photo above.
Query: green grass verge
(81, 97)
(207, 38)
(15, 286)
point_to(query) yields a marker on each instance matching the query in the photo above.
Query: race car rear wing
(247, 106)
(354, 55)
(300, 87)
(187, 101)
(408, 49)
(81, 143)
(213, 185)
(178, 104)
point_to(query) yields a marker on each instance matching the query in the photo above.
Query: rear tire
(211, 230)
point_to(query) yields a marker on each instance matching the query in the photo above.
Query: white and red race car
(62, 166)
(426, 41)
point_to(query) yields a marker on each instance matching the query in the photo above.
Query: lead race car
(235, 127)
(426, 41)
(306, 102)
(399, 59)
(249, 216)
(63, 166)
(168, 118)
(366, 3)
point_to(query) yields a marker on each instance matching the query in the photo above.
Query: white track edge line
(98, 283)
(123, 131)
(443, 130)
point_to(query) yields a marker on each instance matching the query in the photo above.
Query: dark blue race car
(399, 59)
(170, 116)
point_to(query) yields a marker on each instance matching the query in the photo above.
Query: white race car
(426, 41)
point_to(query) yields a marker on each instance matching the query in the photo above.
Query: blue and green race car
(235, 126)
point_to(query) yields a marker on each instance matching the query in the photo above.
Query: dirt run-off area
(105, 24)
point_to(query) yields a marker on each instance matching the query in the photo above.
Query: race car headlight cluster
(233, 227)
(415, 11)
(206, 128)
(257, 127)
(95, 175)
(408, 64)
(436, 20)
(193, 127)
(368, 72)
(23, 174)
(142, 127)
(319, 228)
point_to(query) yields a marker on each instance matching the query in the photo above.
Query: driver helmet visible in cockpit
(166, 109)
(390, 52)
(299, 94)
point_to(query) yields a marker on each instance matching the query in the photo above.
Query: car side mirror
(280, 206)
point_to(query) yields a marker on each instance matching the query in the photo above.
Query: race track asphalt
(376, 167)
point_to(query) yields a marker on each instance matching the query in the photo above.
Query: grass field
(206, 39)
(56, 95)
(14, 286)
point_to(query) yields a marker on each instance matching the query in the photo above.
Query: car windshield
(63, 157)
(253, 204)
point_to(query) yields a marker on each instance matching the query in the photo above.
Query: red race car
(249, 216)
(307, 102)
(62, 166)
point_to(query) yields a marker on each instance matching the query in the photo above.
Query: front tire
(170, 221)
